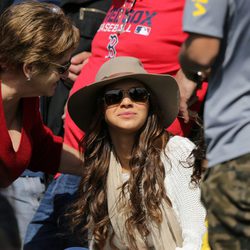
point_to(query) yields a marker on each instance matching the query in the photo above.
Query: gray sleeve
(206, 17)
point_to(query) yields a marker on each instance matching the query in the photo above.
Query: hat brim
(82, 104)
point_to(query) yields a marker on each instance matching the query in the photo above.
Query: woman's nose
(126, 101)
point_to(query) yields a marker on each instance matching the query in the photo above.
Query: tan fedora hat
(82, 104)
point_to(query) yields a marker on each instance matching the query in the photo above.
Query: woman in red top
(36, 43)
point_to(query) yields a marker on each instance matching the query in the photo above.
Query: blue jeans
(43, 231)
(24, 194)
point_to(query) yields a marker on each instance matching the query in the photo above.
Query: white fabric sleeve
(185, 197)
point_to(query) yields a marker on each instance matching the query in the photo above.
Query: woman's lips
(127, 114)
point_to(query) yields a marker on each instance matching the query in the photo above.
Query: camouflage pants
(226, 195)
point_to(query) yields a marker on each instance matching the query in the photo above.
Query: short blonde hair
(35, 33)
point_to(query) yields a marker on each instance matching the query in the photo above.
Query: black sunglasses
(62, 69)
(115, 96)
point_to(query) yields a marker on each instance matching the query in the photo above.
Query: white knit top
(184, 196)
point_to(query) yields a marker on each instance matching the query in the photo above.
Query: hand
(187, 95)
(77, 63)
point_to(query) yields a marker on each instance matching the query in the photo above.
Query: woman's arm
(71, 162)
(49, 153)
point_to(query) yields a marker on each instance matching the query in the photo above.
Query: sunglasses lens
(61, 71)
(115, 96)
(138, 94)
(112, 97)
(63, 68)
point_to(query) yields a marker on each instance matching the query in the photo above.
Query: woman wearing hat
(139, 187)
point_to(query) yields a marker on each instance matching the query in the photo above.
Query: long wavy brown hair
(147, 172)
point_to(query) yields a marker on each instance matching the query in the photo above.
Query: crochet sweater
(185, 197)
